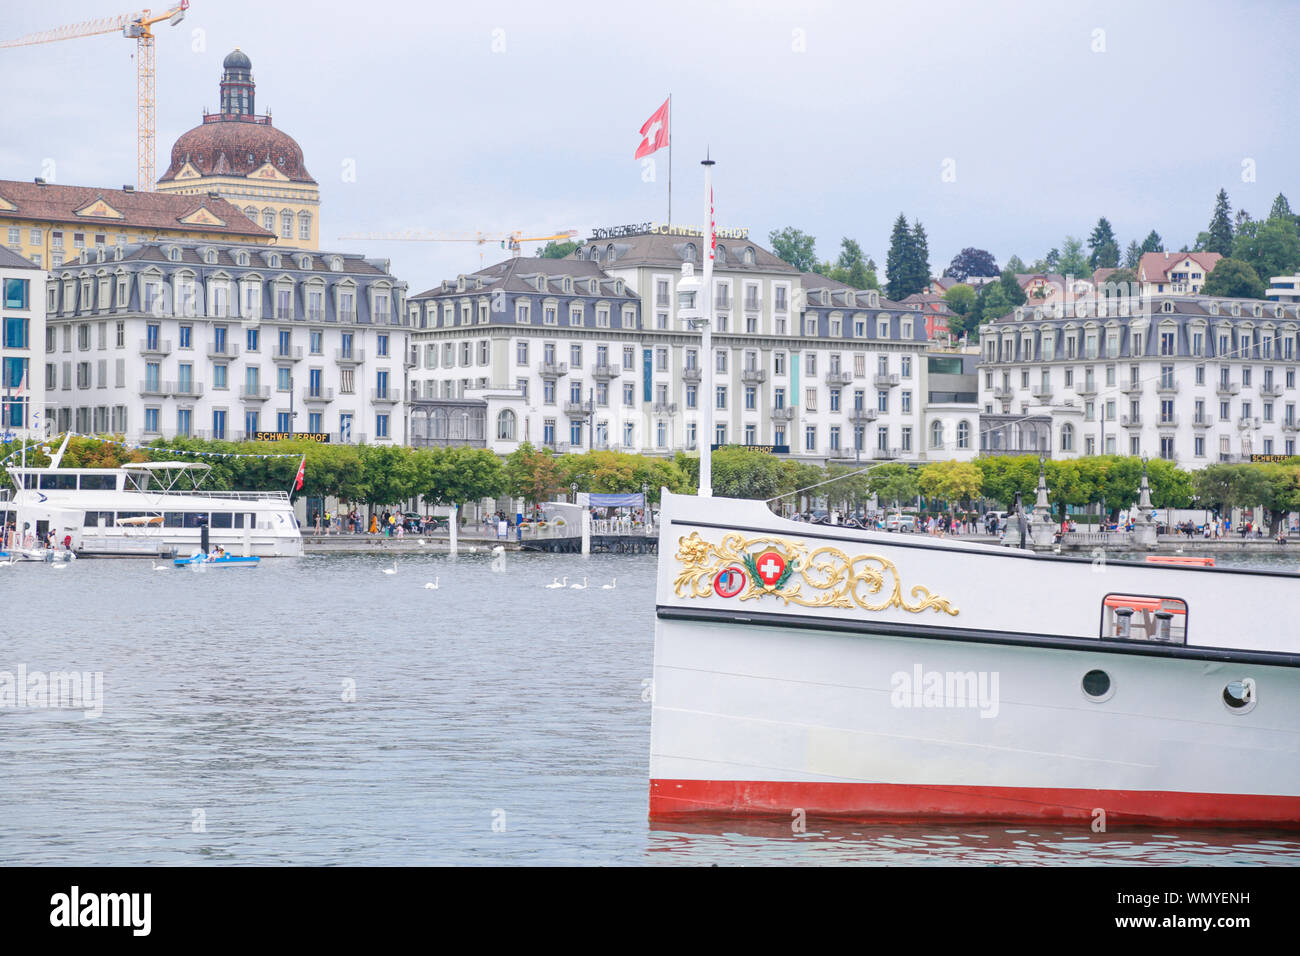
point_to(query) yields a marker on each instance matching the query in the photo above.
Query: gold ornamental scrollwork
(823, 576)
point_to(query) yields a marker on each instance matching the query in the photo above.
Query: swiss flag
(654, 132)
(302, 471)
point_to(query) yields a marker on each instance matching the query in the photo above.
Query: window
(506, 425)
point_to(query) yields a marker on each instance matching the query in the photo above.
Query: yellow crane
(510, 240)
(133, 26)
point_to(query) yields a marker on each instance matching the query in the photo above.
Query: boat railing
(1097, 537)
(227, 495)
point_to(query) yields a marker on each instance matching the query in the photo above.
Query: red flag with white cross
(654, 131)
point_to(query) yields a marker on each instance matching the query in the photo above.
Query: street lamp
(574, 488)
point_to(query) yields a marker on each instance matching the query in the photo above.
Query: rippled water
(494, 721)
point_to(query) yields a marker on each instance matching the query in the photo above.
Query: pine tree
(1220, 232)
(920, 263)
(1281, 209)
(898, 259)
(1132, 255)
(1104, 246)
(1153, 242)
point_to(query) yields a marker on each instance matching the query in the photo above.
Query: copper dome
(229, 147)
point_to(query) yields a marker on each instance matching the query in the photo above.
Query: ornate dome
(237, 60)
(235, 148)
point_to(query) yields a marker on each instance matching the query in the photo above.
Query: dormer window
(568, 284)
(749, 255)
(273, 261)
(721, 254)
(210, 257)
(618, 287)
(242, 258)
(1168, 306)
(593, 286)
(336, 264)
(174, 255)
(609, 252)
(304, 262)
(689, 252)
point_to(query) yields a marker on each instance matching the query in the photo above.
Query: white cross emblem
(771, 569)
(653, 132)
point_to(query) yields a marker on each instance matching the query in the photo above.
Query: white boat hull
(941, 712)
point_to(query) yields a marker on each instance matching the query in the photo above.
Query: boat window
(174, 519)
(98, 482)
(222, 519)
(59, 482)
(239, 519)
(1144, 617)
(99, 519)
(29, 481)
(195, 519)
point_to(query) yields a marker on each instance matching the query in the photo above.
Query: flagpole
(670, 160)
(706, 336)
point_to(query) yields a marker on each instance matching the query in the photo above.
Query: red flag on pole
(22, 386)
(302, 470)
(654, 131)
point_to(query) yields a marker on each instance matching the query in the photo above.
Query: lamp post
(574, 489)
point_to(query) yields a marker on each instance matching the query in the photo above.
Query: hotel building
(22, 329)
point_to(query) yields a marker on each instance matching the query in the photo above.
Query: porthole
(1097, 686)
(1240, 696)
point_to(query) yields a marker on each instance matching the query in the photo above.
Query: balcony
(783, 413)
(1168, 421)
(385, 396)
(576, 409)
(1227, 388)
(319, 397)
(884, 454)
(863, 416)
(1166, 387)
(836, 379)
(1086, 390)
(1201, 421)
(604, 372)
(554, 369)
(158, 389)
(185, 389)
(691, 374)
(1132, 388)
(1290, 425)
(1042, 394)
(288, 355)
(1131, 421)
(1270, 391)
(665, 408)
(350, 356)
(1003, 394)
(315, 315)
(159, 347)
(348, 315)
(1248, 422)
(883, 381)
(753, 376)
(256, 393)
(227, 351)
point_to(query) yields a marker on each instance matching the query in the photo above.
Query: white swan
(499, 549)
(420, 541)
(392, 570)
(59, 564)
(160, 567)
(432, 585)
(610, 585)
(558, 584)
(578, 587)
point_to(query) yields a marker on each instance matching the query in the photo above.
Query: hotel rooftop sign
(663, 229)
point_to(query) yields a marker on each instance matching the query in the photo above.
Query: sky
(1000, 125)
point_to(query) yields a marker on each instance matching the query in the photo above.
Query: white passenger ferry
(143, 509)
(892, 677)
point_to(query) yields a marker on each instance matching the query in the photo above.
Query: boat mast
(706, 337)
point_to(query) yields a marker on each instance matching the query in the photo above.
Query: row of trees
(852, 266)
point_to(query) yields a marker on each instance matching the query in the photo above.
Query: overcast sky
(832, 117)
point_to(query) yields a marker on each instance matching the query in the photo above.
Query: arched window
(304, 225)
(721, 253)
(749, 256)
(963, 434)
(690, 252)
(506, 425)
(1067, 437)
(936, 435)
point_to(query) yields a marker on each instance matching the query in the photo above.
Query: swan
(499, 549)
(432, 585)
(160, 567)
(60, 565)
(557, 584)
(610, 585)
(392, 570)
(578, 587)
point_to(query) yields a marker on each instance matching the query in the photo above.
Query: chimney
(39, 181)
(128, 189)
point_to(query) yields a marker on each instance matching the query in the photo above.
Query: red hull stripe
(920, 802)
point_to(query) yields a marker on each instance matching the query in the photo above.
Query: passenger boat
(879, 676)
(146, 509)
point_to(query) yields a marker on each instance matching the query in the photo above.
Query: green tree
(1132, 255)
(795, 247)
(953, 482)
(1232, 277)
(1104, 246)
(1219, 235)
(919, 265)
(960, 298)
(894, 485)
(556, 250)
(1072, 261)
(1281, 209)
(1004, 475)
(1153, 242)
(898, 261)
(1271, 248)
(392, 474)
(533, 474)
(459, 475)
(972, 262)
(1016, 265)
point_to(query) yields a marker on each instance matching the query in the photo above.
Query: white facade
(798, 360)
(1195, 380)
(22, 330)
(1284, 289)
(185, 339)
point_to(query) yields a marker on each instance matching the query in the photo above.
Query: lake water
(319, 711)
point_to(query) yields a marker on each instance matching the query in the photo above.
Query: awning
(633, 500)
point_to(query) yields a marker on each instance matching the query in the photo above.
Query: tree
(1219, 237)
(898, 260)
(1232, 277)
(795, 247)
(971, 262)
(460, 474)
(1004, 475)
(1104, 246)
(1271, 248)
(1011, 288)
(1072, 261)
(852, 268)
(1132, 255)
(919, 266)
(1016, 265)
(1281, 209)
(893, 484)
(950, 481)
(960, 298)
(392, 475)
(532, 474)
(1153, 242)
(556, 250)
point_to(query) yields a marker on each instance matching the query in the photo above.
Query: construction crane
(511, 240)
(133, 26)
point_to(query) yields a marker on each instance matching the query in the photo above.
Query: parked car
(900, 523)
